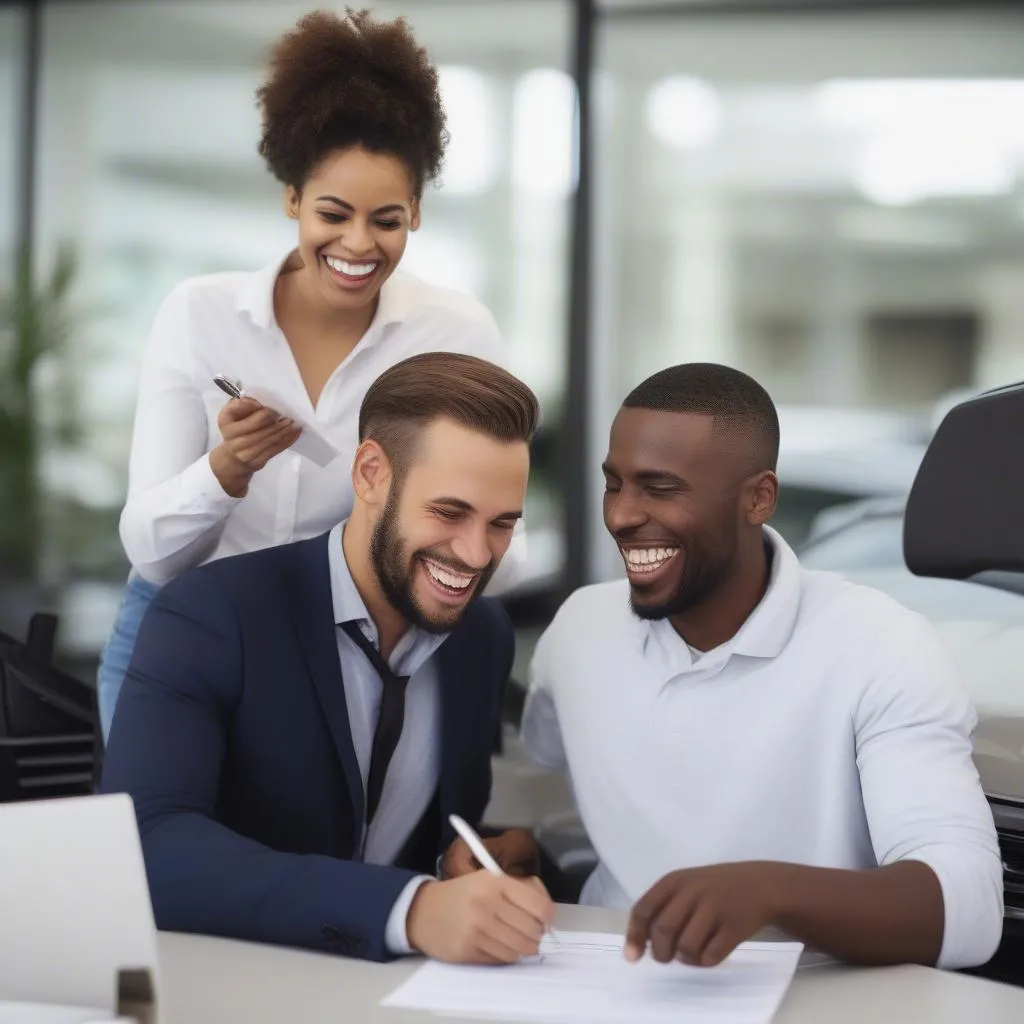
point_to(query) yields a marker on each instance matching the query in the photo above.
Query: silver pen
(228, 386)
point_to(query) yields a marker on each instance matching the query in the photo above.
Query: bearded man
(298, 723)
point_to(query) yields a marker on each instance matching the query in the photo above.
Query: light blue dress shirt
(415, 765)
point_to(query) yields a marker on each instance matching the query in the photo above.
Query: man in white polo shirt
(750, 743)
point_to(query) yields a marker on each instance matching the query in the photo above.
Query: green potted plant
(35, 329)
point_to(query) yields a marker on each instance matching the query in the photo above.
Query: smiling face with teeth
(446, 522)
(685, 512)
(355, 213)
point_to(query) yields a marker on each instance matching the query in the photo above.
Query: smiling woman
(354, 129)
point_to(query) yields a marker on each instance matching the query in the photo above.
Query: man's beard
(704, 569)
(396, 572)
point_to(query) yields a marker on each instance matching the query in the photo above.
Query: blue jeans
(118, 651)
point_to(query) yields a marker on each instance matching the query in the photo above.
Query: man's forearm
(892, 914)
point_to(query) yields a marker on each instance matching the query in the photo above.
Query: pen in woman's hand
(231, 388)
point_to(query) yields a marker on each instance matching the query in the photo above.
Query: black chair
(964, 511)
(48, 721)
(963, 521)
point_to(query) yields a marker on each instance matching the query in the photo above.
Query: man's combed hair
(471, 392)
(718, 391)
(336, 82)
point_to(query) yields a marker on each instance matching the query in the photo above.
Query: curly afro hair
(336, 82)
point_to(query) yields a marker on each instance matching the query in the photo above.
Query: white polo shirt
(177, 514)
(832, 730)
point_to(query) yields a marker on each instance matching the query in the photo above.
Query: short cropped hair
(729, 396)
(471, 392)
(337, 82)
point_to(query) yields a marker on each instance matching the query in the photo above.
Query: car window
(874, 543)
(798, 507)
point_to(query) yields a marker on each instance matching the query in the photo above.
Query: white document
(311, 443)
(584, 977)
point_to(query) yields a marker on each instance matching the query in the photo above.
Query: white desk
(214, 981)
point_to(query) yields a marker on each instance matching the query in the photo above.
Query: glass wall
(12, 45)
(833, 202)
(12, 440)
(149, 169)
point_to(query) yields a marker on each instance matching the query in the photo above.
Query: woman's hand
(253, 435)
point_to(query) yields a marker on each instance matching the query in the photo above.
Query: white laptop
(76, 922)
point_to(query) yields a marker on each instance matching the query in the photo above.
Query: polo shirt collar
(764, 635)
(769, 627)
(256, 300)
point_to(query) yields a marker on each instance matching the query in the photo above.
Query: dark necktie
(389, 722)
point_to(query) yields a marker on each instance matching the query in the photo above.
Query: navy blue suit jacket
(232, 737)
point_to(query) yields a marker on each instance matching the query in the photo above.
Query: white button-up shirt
(177, 514)
(832, 730)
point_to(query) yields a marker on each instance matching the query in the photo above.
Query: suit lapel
(313, 611)
(448, 675)
(456, 703)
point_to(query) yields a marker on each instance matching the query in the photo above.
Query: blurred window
(830, 201)
(12, 36)
(873, 543)
(148, 166)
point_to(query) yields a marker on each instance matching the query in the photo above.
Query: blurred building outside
(832, 201)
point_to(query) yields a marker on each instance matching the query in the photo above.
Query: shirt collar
(416, 644)
(257, 295)
(256, 299)
(765, 633)
(769, 627)
(395, 302)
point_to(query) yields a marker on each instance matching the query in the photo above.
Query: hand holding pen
(252, 435)
(481, 917)
(483, 855)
